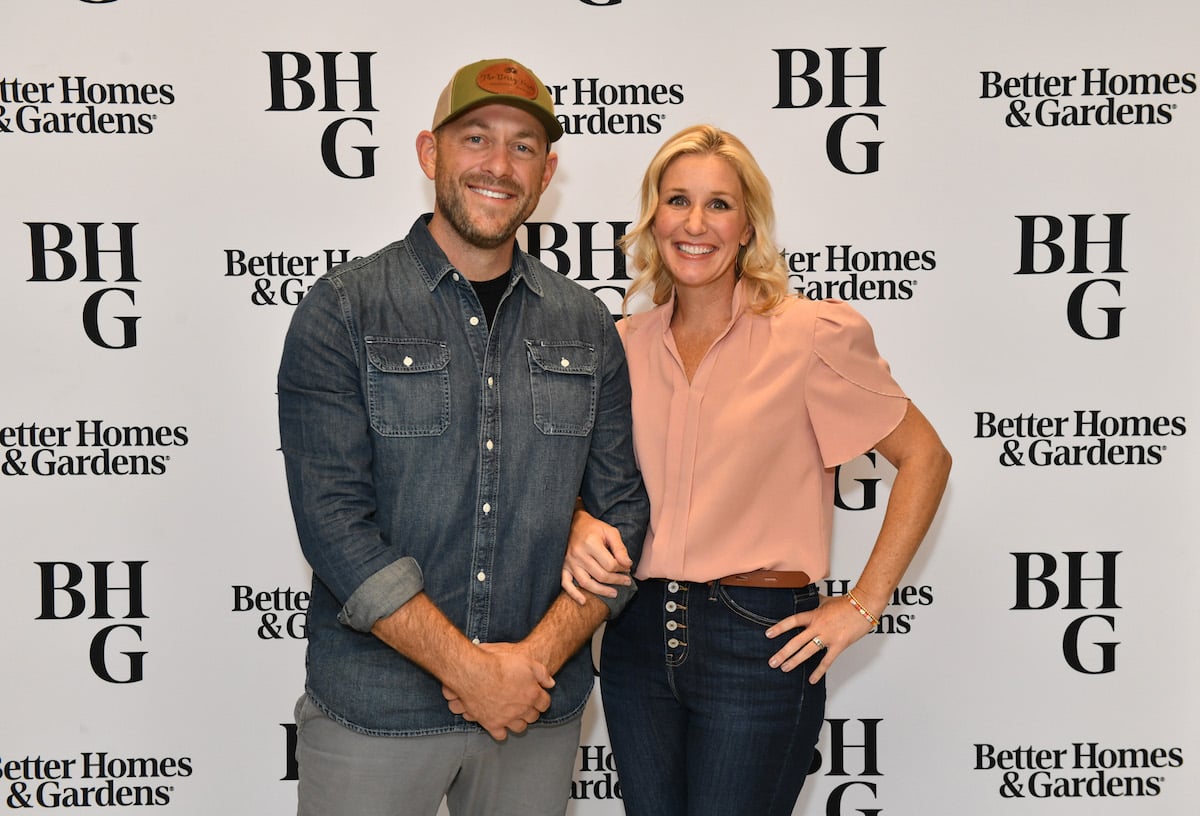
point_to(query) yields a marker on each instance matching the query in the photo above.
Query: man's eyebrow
(483, 124)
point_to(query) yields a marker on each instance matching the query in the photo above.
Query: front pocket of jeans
(408, 386)
(562, 379)
(765, 607)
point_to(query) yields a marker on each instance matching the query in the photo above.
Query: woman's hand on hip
(832, 627)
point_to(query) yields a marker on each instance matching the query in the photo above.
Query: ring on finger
(820, 644)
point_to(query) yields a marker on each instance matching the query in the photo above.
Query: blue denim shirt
(424, 452)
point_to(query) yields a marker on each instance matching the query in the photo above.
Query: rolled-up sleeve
(326, 443)
(382, 594)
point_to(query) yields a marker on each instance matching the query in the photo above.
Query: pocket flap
(407, 356)
(563, 357)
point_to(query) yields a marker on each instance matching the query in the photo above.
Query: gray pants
(345, 773)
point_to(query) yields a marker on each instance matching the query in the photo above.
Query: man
(442, 404)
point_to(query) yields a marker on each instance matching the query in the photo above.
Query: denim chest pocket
(408, 386)
(562, 376)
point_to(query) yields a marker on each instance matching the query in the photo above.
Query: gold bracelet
(862, 610)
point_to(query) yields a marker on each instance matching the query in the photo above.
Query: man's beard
(452, 204)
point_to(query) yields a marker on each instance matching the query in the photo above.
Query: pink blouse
(739, 462)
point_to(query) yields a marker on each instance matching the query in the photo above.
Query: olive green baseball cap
(497, 82)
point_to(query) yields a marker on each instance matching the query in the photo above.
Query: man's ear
(427, 152)
(548, 173)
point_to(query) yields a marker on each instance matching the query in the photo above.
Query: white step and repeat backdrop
(1009, 192)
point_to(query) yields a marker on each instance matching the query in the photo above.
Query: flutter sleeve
(852, 400)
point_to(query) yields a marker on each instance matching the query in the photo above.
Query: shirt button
(408, 361)
(455, 276)
(490, 445)
(487, 507)
(481, 576)
(474, 321)
(564, 362)
(673, 586)
(489, 382)
(473, 640)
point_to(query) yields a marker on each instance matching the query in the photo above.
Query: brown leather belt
(778, 579)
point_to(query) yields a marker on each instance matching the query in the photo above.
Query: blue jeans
(700, 723)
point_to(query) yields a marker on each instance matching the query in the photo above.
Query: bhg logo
(859, 488)
(54, 260)
(584, 251)
(1035, 577)
(1092, 296)
(291, 767)
(65, 597)
(290, 70)
(858, 792)
(801, 86)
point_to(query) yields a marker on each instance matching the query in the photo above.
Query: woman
(744, 400)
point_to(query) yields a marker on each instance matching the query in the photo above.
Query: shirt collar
(435, 266)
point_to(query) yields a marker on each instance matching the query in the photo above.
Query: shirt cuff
(382, 594)
(624, 595)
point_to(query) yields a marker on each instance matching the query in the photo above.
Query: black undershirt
(489, 293)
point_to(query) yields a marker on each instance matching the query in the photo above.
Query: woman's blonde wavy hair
(760, 263)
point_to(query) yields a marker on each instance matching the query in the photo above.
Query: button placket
(675, 621)
(488, 491)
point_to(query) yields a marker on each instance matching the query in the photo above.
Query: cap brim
(554, 130)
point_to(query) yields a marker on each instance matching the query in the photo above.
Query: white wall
(986, 653)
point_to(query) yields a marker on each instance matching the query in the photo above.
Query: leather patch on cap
(506, 78)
